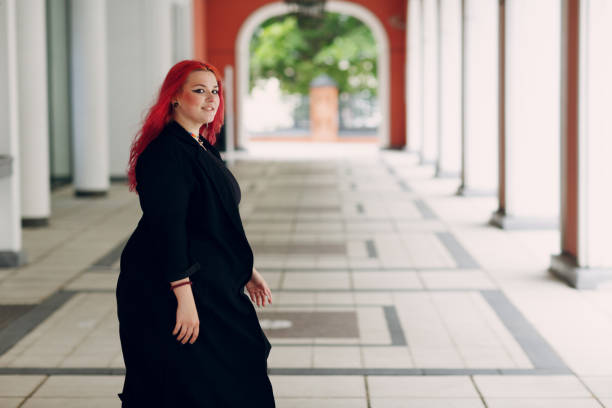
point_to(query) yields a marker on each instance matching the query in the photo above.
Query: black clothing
(190, 226)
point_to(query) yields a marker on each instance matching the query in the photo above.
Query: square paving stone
(309, 324)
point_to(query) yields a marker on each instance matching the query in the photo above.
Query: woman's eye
(215, 91)
(198, 90)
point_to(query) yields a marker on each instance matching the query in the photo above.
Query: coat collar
(205, 162)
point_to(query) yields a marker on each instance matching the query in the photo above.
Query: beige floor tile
(387, 357)
(321, 403)
(421, 387)
(600, 386)
(10, 402)
(426, 403)
(73, 403)
(530, 386)
(19, 385)
(321, 386)
(290, 357)
(336, 357)
(542, 403)
(74, 386)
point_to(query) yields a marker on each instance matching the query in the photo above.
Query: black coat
(190, 227)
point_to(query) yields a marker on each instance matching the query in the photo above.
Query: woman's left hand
(258, 289)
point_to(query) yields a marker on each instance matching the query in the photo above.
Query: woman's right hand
(187, 326)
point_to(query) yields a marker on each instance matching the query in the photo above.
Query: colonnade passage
(388, 291)
(512, 97)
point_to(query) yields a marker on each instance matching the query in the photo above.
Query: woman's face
(198, 99)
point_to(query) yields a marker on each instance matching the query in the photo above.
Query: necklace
(198, 138)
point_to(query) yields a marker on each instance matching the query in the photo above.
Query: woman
(189, 334)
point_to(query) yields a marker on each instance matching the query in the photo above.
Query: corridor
(388, 291)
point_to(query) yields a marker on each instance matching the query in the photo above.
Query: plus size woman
(189, 334)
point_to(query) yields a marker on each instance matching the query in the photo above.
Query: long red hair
(161, 112)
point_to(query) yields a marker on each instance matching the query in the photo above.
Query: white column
(429, 152)
(145, 25)
(89, 97)
(11, 253)
(480, 97)
(586, 258)
(414, 65)
(449, 162)
(529, 168)
(33, 112)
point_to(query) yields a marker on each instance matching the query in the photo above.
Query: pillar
(479, 97)
(414, 65)
(449, 131)
(323, 109)
(529, 136)
(89, 97)
(151, 26)
(11, 251)
(586, 197)
(429, 148)
(33, 112)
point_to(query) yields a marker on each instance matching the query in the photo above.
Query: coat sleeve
(164, 189)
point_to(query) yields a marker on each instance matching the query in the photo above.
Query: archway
(344, 7)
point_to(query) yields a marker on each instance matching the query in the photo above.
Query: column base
(9, 259)
(35, 222)
(447, 174)
(565, 268)
(508, 222)
(90, 194)
(474, 192)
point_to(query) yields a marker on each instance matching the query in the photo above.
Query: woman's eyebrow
(216, 86)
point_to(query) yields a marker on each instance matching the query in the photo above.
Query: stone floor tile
(10, 402)
(75, 386)
(321, 403)
(542, 403)
(600, 386)
(19, 385)
(336, 357)
(290, 357)
(387, 357)
(426, 403)
(530, 386)
(322, 386)
(421, 387)
(107, 402)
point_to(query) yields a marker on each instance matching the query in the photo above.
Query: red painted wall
(222, 20)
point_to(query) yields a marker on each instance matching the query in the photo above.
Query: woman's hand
(258, 289)
(187, 322)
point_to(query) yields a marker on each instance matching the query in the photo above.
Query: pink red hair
(161, 112)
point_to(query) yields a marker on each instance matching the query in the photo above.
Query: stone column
(529, 141)
(89, 97)
(586, 197)
(33, 112)
(324, 109)
(414, 65)
(429, 150)
(11, 252)
(449, 131)
(480, 97)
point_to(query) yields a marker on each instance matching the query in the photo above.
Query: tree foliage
(342, 47)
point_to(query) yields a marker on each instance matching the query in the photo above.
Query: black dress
(190, 227)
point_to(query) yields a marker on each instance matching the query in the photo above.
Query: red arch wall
(217, 22)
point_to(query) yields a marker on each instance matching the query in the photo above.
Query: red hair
(161, 112)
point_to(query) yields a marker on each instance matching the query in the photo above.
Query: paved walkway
(389, 291)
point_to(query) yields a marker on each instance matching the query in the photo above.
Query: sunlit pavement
(389, 291)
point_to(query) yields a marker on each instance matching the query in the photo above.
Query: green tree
(341, 47)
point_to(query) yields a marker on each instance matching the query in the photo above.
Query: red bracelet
(180, 284)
